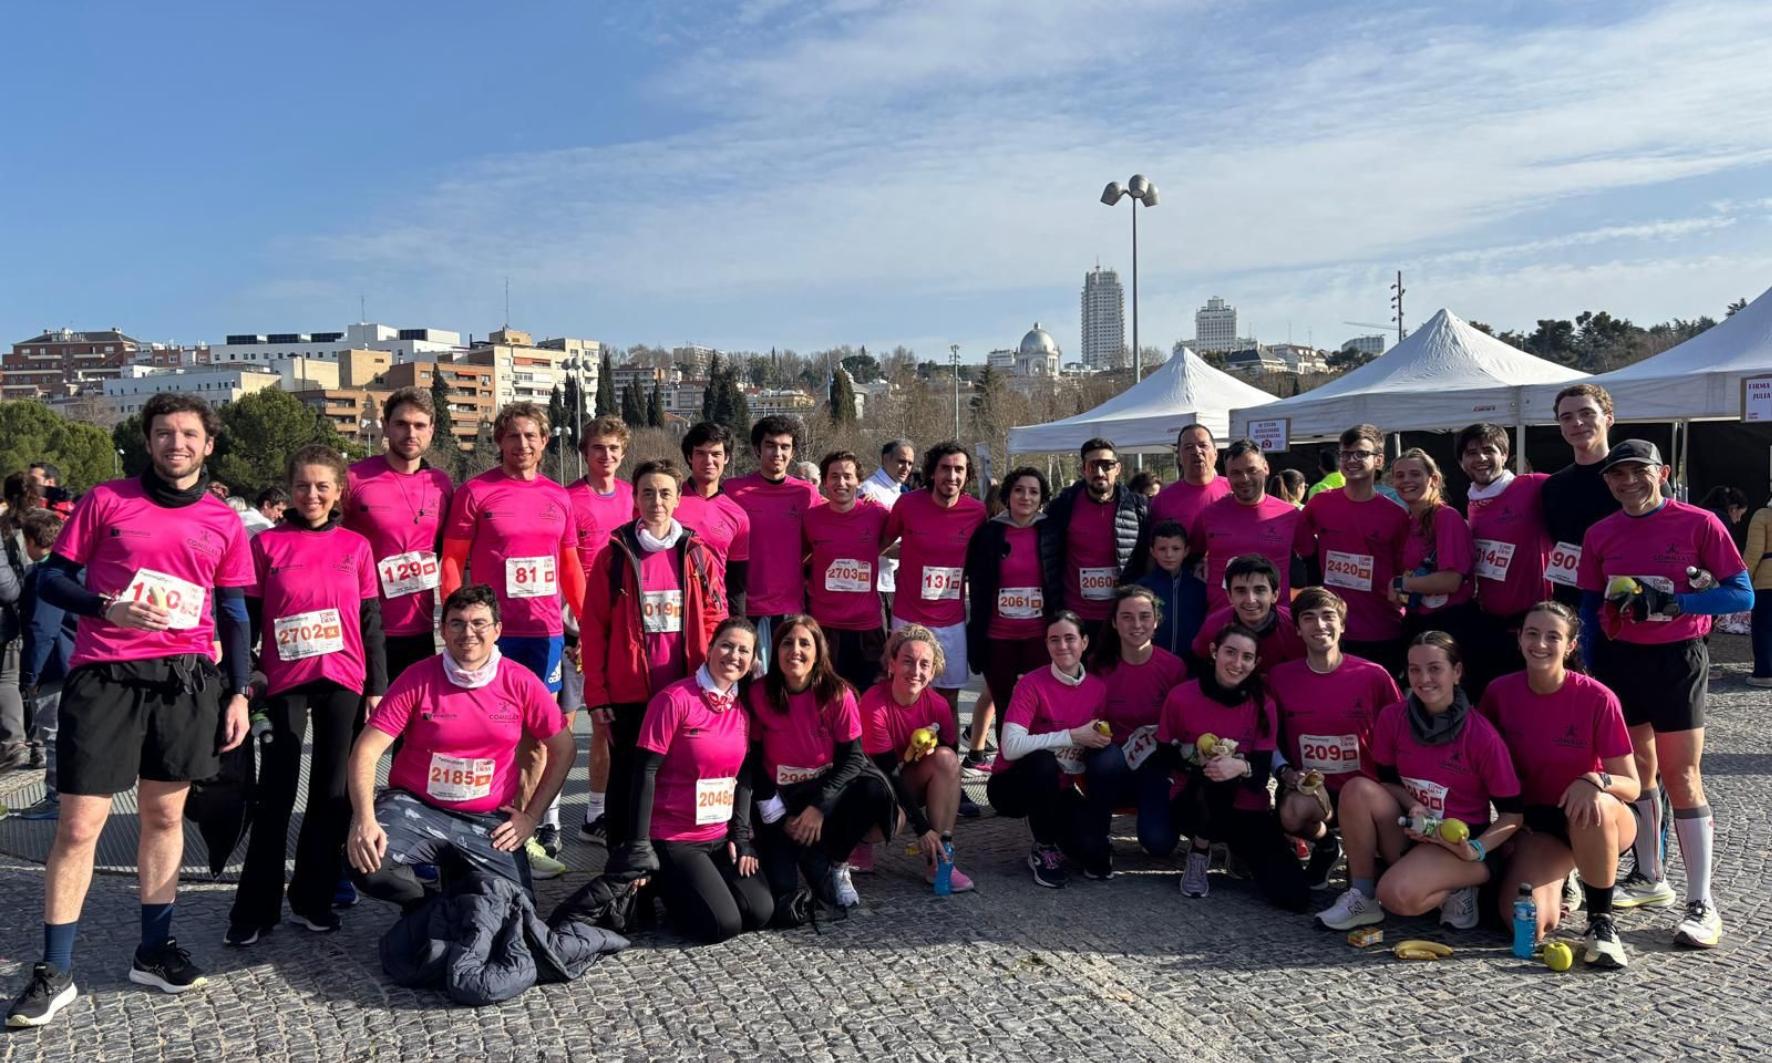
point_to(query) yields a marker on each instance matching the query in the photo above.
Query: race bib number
(846, 575)
(1139, 745)
(531, 577)
(1097, 584)
(1020, 603)
(408, 573)
(1493, 559)
(661, 612)
(459, 778)
(713, 800)
(307, 635)
(1329, 754)
(1565, 558)
(941, 584)
(1070, 759)
(1660, 583)
(1348, 571)
(1429, 795)
(786, 776)
(183, 599)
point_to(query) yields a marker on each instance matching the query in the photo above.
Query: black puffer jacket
(984, 577)
(483, 943)
(1132, 536)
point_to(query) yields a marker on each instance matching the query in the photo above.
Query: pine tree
(444, 436)
(633, 404)
(605, 388)
(655, 411)
(842, 398)
(710, 396)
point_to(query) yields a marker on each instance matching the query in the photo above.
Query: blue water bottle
(1525, 923)
(944, 871)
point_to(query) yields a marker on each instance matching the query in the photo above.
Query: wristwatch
(1605, 780)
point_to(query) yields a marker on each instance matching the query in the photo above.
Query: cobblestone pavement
(1126, 969)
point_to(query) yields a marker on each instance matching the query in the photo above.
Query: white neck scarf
(653, 544)
(1498, 485)
(719, 700)
(471, 679)
(1067, 680)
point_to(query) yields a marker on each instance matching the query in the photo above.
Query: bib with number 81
(530, 577)
(182, 598)
(408, 573)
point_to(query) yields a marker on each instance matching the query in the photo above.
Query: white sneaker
(1702, 928)
(1572, 895)
(1603, 947)
(1194, 882)
(1459, 910)
(1636, 891)
(541, 865)
(843, 888)
(1350, 910)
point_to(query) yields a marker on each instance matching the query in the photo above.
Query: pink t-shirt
(1091, 564)
(776, 580)
(1453, 551)
(1326, 720)
(1455, 780)
(1188, 713)
(800, 742)
(133, 548)
(1279, 643)
(703, 750)
(460, 746)
(1228, 529)
(1656, 549)
(886, 725)
(1555, 739)
(1019, 611)
(1136, 692)
(1511, 543)
(1358, 546)
(1182, 501)
(313, 585)
(519, 530)
(401, 514)
(597, 516)
(719, 522)
(661, 616)
(932, 542)
(844, 548)
(1044, 705)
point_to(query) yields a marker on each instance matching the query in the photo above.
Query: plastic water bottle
(1525, 923)
(944, 870)
(1427, 824)
(261, 727)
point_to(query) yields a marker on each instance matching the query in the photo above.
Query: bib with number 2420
(530, 577)
(1349, 571)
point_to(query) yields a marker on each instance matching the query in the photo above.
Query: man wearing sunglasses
(1095, 531)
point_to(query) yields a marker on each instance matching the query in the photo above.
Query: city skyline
(778, 174)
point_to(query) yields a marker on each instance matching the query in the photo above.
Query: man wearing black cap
(1652, 575)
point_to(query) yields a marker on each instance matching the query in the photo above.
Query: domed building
(1038, 354)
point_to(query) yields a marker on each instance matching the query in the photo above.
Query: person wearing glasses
(1094, 532)
(1356, 539)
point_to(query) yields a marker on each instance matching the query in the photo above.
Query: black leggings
(1036, 788)
(259, 899)
(1205, 812)
(864, 804)
(706, 897)
(624, 739)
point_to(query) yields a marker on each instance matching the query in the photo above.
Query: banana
(1437, 950)
(1414, 954)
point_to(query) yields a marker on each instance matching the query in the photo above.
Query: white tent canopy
(1445, 375)
(1146, 416)
(1700, 379)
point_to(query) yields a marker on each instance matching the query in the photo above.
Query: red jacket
(613, 648)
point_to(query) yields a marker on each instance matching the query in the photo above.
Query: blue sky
(781, 173)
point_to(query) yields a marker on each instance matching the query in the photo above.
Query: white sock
(593, 807)
(1696, 829)
(551, 818)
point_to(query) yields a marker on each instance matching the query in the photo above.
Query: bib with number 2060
(530, 577)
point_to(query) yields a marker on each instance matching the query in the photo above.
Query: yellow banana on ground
(1418, 949)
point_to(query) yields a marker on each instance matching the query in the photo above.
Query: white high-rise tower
(1104, 319)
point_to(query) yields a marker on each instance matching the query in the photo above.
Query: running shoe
(1603, 947)
(344, 894)
(549, 837)
(1636, 891)
(1459, 909)
(1193, 880)
(49, 991)
(959, 881)
(1572, 895)
(168, 969)
(1350, 910)
(975, 766)
(49, 807)
(843, 887)
(39, 758)
(1048, 867)
(1324, 856)
(324, 924)
(968, 808)
(966, 740)
(241, 935)
(542, 866)
(861, 861)
(1702, 928)
(1100, 872)
(595, 831)
(1760, 682)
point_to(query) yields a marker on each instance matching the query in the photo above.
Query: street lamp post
(1143, 191)
(954, 361)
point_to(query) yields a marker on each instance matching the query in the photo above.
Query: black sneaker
(1048, 866)
(986, 750)
(49, 991)
(968, 808)
(596, 831)
(323, 924)
(549, 837)
(240, 936)
(1099, 872)
(168, 969)
(1324, 855)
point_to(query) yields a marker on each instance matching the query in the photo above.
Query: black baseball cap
(1640, 451)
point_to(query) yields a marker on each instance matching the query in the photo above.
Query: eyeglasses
(478, 627)
(1358, 455)
(1103, 466)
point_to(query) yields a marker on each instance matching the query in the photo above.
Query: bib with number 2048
(713, 800)
(309, 634)
(459, 778)
(182, 598)
(408, 573)
(530, 577)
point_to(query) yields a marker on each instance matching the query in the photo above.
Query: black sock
(1597, 898)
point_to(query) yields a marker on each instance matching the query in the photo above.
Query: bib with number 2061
(530, 577)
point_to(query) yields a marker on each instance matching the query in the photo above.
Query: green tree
(127, 437)
(259, 434)
(633, 404)
(31, 431)
(606, 388)
(710, 394)
(445, 421)
(1735, 307)
(864, 367)
(655, 411)
(842, 398)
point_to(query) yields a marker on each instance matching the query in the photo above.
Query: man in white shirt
(897, 459)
